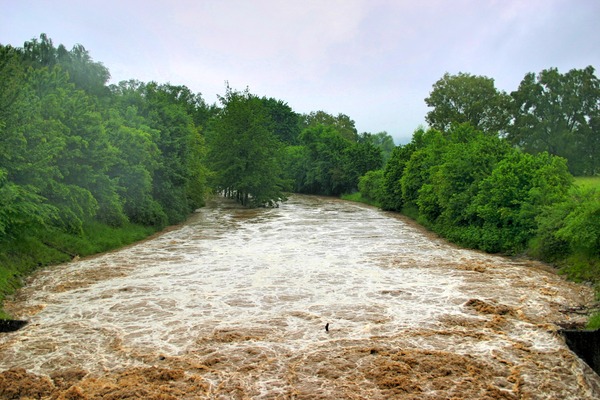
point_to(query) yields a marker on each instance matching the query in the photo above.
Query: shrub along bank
(479, 192)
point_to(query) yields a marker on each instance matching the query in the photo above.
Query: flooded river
(234, 304)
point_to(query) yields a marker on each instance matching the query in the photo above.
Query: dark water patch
(11, 325)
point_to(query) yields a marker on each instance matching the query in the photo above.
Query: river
(234, 304)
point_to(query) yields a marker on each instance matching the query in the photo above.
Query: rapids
(233, 304)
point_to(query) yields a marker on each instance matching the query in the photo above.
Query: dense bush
(370, 186)
(472, 187)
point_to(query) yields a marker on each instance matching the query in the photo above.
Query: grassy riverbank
(23, 255)
(359, 198)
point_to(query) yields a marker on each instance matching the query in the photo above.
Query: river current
(234, 304)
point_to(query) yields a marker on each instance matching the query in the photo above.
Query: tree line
(75, 150)
(491, 170)
(549, 112)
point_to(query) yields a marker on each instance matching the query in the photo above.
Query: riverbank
(28, 252)
(577, 264)
(236, 301)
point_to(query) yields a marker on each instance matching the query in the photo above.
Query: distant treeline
(82, 159)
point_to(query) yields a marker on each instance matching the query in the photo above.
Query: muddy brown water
(233, 304)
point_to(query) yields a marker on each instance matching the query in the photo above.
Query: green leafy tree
(244, 151)
(82, 70)
(286, 123)
(466, 98)
(558, 113)
(520, 188)
(581, 227)
(571, 227)
(179, 179)
(33, 137)
(137, 159)
(371, 187)
(420, 168)
(326, 167)
(295, 165)
(469, 157)
(392, 173)
(360, 158)
(341, 123)
(385, 142)
(87, 154)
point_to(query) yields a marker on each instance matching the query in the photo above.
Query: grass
(24, 254)
(594, 322)
(359, 198)
(588, 181)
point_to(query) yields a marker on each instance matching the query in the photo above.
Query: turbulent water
(234, 303)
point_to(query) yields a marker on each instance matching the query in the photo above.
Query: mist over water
(234, 303)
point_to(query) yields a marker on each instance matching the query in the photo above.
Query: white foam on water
(278, 276)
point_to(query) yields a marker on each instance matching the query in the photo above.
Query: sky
(373, 60)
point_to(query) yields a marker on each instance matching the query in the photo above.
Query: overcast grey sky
(373, 60)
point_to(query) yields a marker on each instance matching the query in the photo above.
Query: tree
(341, 123)
(244, 152)
(295, 165)
(385, 142)
(82, 70)
(326, 167)
(558, 113)
(22, 207)
(520, 188)
(466, 98)
(419, 169)
(138, 158)
(469, 157)
(392, 174)
(179, 180)
(53, 159)
(286, 123)
(360, 158)
(370, 186)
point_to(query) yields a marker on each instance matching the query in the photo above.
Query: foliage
(325, 165)
(466, 98)
(594, 322)
(384, 142)
(516, 192)
(340, 123)
(472, 187)
(392, 174)
(179, 180)
(245, 153)
(588, 182)
(370, 186)
(76, 154)
(560, 114)
(334, 163)
(286, 123)
(571, 226)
